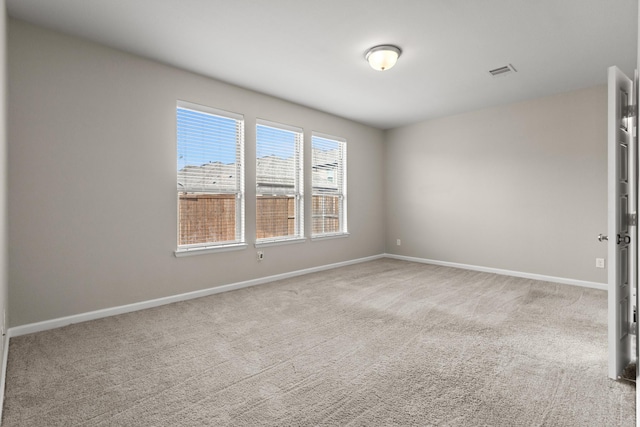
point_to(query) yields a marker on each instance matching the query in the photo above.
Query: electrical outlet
(260, 255)
(599, 262)
(398, 242)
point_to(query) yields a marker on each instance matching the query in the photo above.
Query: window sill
(280, 242)
(209, 250)
(329, 236)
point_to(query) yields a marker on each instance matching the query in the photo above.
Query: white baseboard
(112, 311)
(542, 277)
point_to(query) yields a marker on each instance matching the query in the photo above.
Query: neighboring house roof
(273, 174)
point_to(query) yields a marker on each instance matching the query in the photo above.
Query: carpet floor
(380, 343)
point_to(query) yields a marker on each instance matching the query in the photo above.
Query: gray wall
(92, 178)
(3, 173)
(521, 187)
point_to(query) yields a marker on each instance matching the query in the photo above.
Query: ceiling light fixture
(383, 57)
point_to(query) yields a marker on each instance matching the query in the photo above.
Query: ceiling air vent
(503, 71)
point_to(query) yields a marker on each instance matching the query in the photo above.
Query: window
(279, 183)
(329, 182)
(210, 178)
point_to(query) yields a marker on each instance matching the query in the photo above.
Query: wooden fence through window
(275, 216)
(325, 214)
(208, 218)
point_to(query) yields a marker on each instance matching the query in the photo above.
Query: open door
(622, 208)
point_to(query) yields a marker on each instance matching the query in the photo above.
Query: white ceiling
(312, 52)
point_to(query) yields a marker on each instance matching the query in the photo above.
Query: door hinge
(630, 111)
(632, 219)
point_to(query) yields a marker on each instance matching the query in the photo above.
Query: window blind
(279, 182)
(210, 179)
(329, 183)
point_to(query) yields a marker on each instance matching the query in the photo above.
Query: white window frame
(298, 189)
(239, 241)
(340, 191)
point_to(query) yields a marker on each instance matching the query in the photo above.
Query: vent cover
(503, 71)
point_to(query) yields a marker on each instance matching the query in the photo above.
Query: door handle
(602, 238)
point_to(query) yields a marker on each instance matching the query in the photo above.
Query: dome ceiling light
(383, 57)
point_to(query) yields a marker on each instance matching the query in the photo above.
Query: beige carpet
(375, 344)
